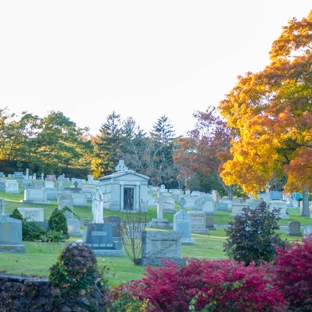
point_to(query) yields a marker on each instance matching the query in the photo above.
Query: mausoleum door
(128, 198)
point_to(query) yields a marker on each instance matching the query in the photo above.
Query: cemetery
(190, 231)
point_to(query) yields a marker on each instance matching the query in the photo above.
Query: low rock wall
(23, 293)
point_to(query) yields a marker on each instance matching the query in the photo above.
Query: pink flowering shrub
(219, 285)
(294, 274)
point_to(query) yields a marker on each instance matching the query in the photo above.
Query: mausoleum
(124, 189)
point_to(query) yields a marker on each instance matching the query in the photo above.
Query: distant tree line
(55, 145)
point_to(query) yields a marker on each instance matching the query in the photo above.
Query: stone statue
(97, 206)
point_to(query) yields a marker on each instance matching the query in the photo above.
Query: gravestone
(2, 185)
(222, 206)
(51, 193)
(116, 226)
(2, 175)
(308, 231)
(90, 179)
(18, 175)
(32, 214)
(66, 200)
(157, 245)
(73, 226)
(49, 184)
(182, 224)
(10, 232)
(88, 190)
(279, 204)
(80, 199)
(169, 204)
(205, 203)
(36, 196)
(294, 229)
(99, 236)
(11, 187)
(160, 221)
(176, 195)
(51, 177)
(198, 222)
(226, 200)
(210, 223)
(237, 208)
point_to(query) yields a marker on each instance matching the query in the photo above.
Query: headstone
(2, 175)
(222, 206)
(294, 229)
(116, 226)
(215, 195)
(42, 176)
(11, 187)
(66, 200)
(99, 236)
(160, 221)
(195, 193)
(237, 208)
(198, 222)
(34, 176)
(308, 231)
(80, 199)
(275, 195)
(205, 203)
(32, 214)
(169, 204)
(226, 200)
(88, 190)
(176, 195)
(279, 204)
(210, 223)
(73, 226)
(2, 185)
(36, 196)
(90, 179)
(49, 184)
(10, 233)
(182, 224)
(18, 175)
(157, 245)
(27, 173)
(51, 177)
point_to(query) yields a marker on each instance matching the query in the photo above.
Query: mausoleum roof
(119, 174)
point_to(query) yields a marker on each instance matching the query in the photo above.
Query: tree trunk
(305, 203)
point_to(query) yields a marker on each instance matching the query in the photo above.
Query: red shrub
(294, 274)
(222, 285)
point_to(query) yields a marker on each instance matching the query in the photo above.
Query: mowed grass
(39, 257)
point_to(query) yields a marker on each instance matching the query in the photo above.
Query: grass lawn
(39, 257)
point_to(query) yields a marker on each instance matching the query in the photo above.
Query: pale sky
(143, 59)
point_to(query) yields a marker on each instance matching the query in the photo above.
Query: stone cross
(182, 203)
(3, 204)
(121, 166)
(160, 200)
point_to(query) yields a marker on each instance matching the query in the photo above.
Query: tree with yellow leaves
(271, 114)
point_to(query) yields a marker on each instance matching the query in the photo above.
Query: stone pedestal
(11, 235)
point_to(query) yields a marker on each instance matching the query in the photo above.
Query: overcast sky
(143, 59)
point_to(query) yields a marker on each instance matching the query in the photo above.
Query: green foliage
(76, 272)
(252, 237)
(57, 221)
(52, 237)
(31, 231)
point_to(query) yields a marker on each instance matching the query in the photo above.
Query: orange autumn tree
(205, 148)
(271, 114)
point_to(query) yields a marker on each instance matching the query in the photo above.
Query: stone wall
(23, 293)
